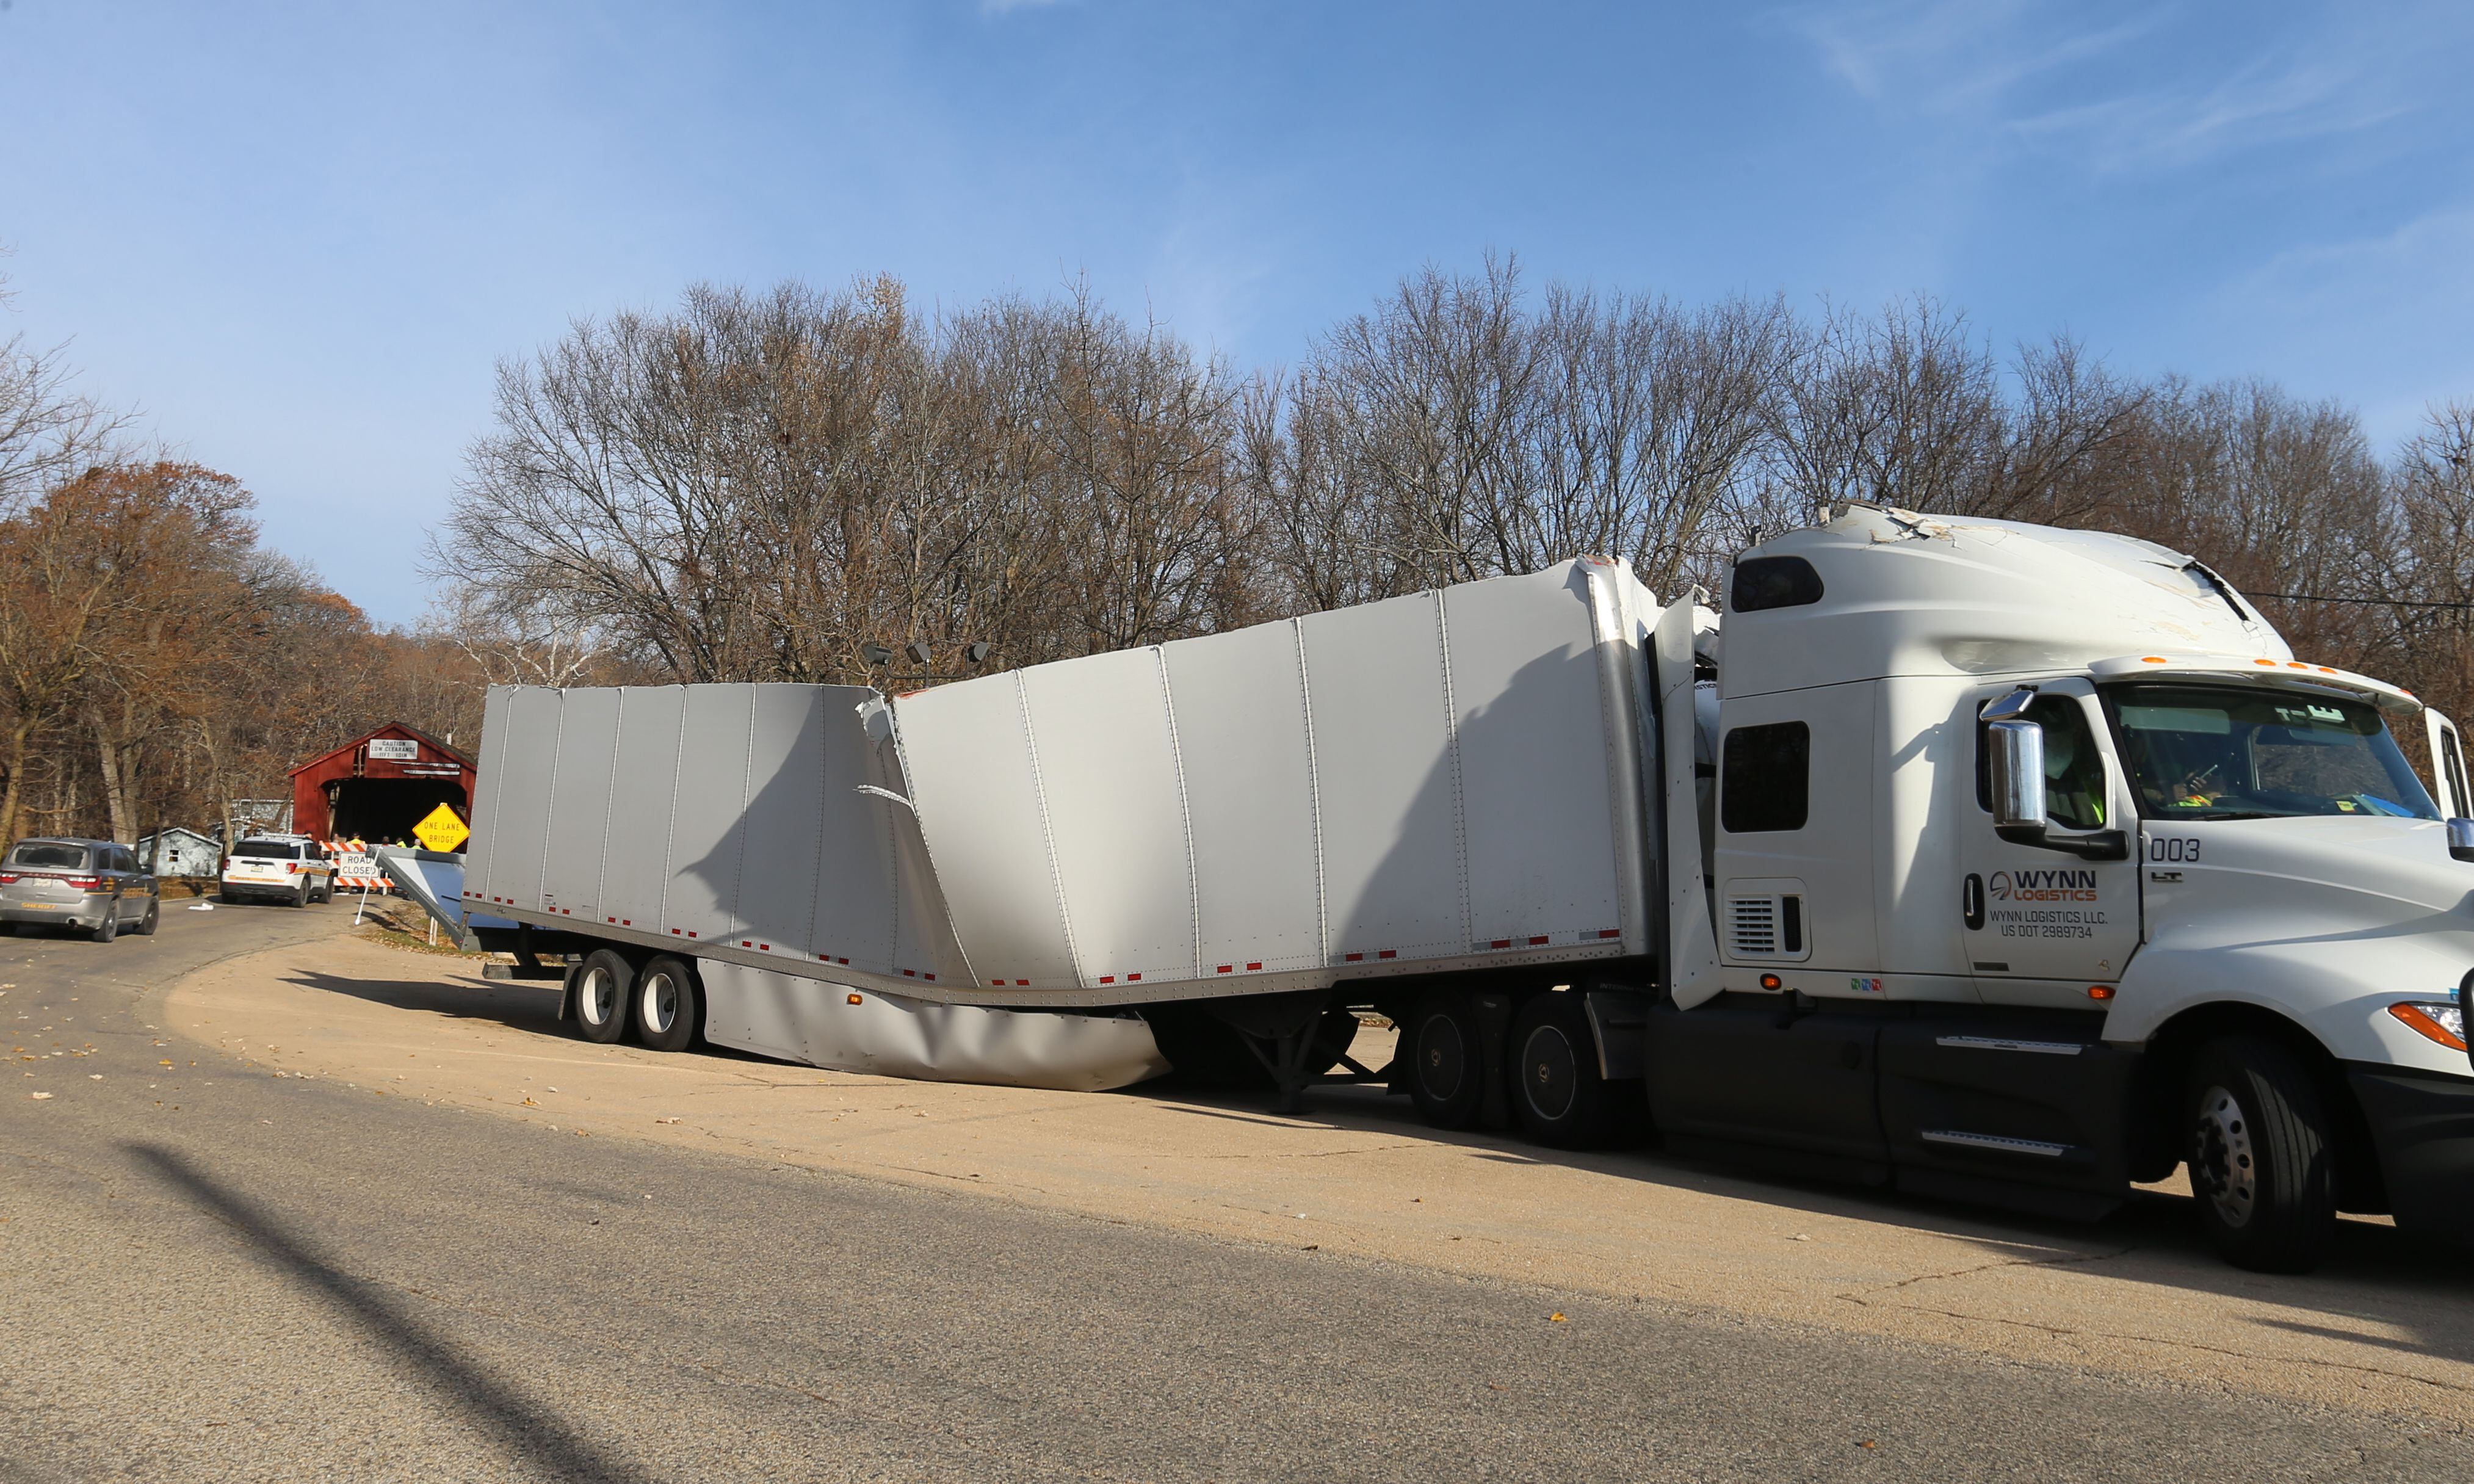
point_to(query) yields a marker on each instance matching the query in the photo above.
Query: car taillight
(87, 883)
(8, 879)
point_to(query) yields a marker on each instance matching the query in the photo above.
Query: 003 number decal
(2174, 850)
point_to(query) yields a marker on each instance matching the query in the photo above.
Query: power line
(2379, 602)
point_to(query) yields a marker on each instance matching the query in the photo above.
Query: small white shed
(185, 853)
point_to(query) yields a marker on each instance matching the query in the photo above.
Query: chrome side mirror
(2018, 757)
(2460, 838)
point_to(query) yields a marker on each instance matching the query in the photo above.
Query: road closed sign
(442, 831)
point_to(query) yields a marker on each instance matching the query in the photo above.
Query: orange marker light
(2423, 1021)
(1771, 982)
(2100, 992)
(854, 999)
(2151, 659)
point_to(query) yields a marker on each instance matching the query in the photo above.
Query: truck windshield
(2231, 752)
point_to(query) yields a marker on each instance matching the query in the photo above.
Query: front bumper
(2423, 1123)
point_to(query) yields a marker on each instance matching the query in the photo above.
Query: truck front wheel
(1445, 1079)
(1561, 1098)
(667, 1004)
(602, 989)
(2263, 1155)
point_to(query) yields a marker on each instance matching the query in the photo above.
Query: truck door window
(1766, 778)
(2073, 772)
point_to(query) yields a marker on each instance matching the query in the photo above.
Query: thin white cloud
(2389, 316)
(2265, 102)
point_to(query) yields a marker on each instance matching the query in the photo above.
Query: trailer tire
(2263, 1155)
(602, 989)
(667, 1004)
(1558, 1093)
(1446, 1075)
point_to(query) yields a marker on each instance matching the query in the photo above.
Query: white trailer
(1981, 859)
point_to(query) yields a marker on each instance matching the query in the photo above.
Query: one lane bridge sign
(442, 831)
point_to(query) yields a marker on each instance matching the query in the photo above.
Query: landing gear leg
(1293, 1036)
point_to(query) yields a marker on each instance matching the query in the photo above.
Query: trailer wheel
(667, 1006)
(2263, 1155)
(1559, 1094)
(602, 989)
(1445, 1080)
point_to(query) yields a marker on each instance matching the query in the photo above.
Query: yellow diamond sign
(442, 831)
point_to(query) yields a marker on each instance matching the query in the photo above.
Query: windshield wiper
(2226, 814)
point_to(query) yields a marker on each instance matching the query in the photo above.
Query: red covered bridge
(379, 786)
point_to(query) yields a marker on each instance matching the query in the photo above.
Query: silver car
(91, 886)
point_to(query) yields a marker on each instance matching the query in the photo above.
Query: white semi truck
(1980, 859)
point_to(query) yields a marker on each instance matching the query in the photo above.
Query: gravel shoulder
(2383, 1327)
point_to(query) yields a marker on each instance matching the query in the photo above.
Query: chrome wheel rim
(661, 1004)
(595, 997)
(2225, 1168)
(1549, 1073)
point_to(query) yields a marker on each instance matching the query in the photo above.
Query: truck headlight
(2440, 1020)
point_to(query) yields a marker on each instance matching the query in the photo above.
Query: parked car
(92, 885)
(279, 868)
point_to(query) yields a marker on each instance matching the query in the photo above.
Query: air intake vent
(1765, 927)
(1753, 926)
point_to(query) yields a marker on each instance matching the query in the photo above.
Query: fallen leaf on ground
(1556, 1318)
(39, 1097)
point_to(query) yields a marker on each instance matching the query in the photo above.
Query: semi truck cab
(2039, 864)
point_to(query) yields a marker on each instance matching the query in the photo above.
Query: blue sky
(298, 236)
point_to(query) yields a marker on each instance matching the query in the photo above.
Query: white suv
(279, 867)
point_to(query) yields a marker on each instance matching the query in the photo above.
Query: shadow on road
(524, 1428)
(522, 1004)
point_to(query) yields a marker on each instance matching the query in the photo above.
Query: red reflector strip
(1537, 942)
(626, 922)
(998, 982)
(1253, 967)
(1228, 968)
(1025, 983)
(1500, 942)
(1133, 978)
(911, 973)
(746, 942)
(764, 947)
(1108, 979)
(932, 978)
(1355, 958)
(842, 961)
(1610, 932)
(1388, 953)
(692, 933)
(674, 931)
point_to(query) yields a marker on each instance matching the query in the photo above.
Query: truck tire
(109, 927)
(667, 1006)
(603, 987)
(301, 894)
(1557, 1092)
(147, 924)
(1445, 1080)
(2262, 1154)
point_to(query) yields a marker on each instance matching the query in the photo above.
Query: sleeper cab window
(1773, 582)
(1766, 778)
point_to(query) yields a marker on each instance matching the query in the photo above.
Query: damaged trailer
(1069, 875)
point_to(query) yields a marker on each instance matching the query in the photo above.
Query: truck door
(2447, 767)
(2041, 925)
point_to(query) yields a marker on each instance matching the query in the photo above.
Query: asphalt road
(214, 1272)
